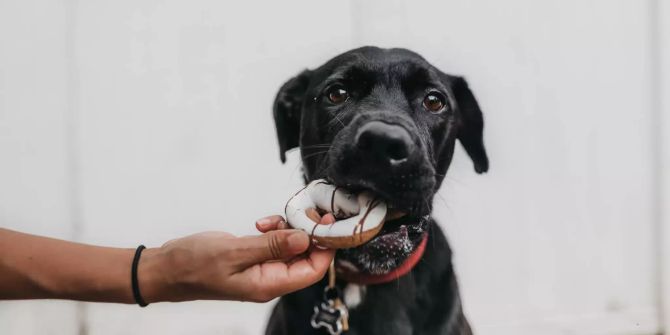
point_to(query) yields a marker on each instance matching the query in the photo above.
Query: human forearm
(33, 267)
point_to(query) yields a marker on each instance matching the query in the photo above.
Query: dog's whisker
(315, 146)
(429, 206)
(442, 198)
(334, 122)
(340, 121)
(301, 165)
(324, 169)
(451, 178)
(314, 154)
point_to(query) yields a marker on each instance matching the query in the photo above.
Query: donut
(358, 217)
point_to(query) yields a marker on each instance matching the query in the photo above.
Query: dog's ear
(472, 129)
(287, 109)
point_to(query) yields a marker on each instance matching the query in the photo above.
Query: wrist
(152, 276)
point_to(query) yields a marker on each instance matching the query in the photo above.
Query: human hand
(218, 265)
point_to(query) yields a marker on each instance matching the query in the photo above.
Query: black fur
(383, 138)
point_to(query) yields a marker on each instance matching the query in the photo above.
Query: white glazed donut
(358, 217)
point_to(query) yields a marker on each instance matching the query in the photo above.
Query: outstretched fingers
(273, 279)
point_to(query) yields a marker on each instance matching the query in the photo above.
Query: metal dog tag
(331, 313)
(328, 315)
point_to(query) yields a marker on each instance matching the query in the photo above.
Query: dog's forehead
(374, 55)
(399, 62)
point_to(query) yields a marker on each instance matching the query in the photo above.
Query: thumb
(273, 245)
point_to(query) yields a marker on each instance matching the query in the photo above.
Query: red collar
(370, 279)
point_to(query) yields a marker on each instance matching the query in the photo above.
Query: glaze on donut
(359, 217)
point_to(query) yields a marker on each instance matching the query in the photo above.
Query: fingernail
(263, 222)
(327, 219)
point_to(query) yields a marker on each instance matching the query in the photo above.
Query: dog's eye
(337, 94)
(434, 102)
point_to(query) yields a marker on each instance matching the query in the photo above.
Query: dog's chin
(386, 251)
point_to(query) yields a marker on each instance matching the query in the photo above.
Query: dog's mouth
(386, 251)
(399, 193)
(401, 234)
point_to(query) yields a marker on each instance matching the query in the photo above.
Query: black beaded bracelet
(133, 277)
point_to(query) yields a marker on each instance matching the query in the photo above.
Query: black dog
(383, 120)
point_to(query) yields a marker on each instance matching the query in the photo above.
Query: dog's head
(383, 120)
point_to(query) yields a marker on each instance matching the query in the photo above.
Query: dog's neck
(351, 275)
(371, 279)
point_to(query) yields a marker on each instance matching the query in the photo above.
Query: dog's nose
(386, 142)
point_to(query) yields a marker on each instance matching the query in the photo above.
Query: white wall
(132, 122)
(34, 178)
(662, 35)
